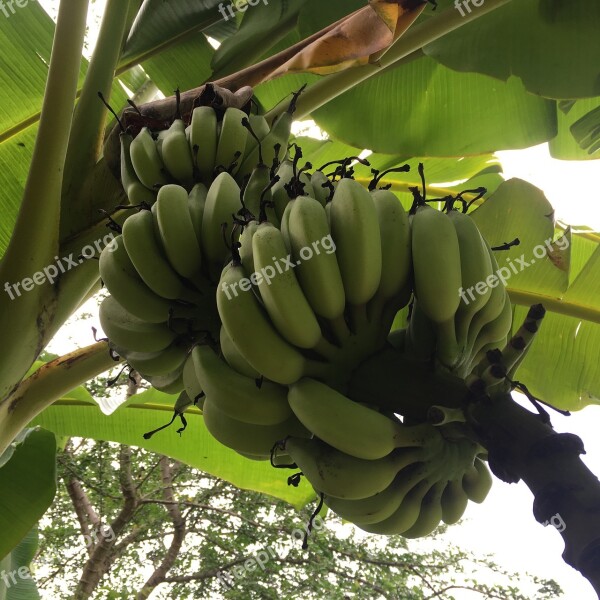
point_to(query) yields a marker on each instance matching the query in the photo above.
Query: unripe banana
(158, 363)
(245, 249)
(146, 161)
(176, 154)
(318, 271)
(342, 476)
(355, 231)
(251, 331)
(148, 258)
(282, 295)
(436, 262)
(125, 330)
(123, 282)
(232, 140)
(258, 195)
(204, 138)
(245, 437)
(430, 515)
(260, 127)
(475, 267)
(177, 231)
(136, 191)
(190, 381)
(454, 502)
(196, 204)
(171, 383)
(321, 186)
(396, 250)
(234, 357)
(238, 396)
(222, 202)
(273, 146)
(477, 481)
(351, 427)
(280, 194)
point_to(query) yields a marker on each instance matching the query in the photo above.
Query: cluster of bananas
(309, 272)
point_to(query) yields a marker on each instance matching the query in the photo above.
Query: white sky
(503, 525)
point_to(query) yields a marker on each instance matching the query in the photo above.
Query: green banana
(318, 270)
(251, 331)
(176, 154)
(430, 514)
(148, 257)
(260, 127)
(351, 427)
(177, 231)
(190, 382)
(245, 249)
(170, 383)
(454, 502)
(196, 204)
(245, 437)
(280, 291)
(280, 194)
(475, 268)
(136, 191)
(123, 282)
(146, 160)
(237, 395)
(234, 357)
(495, 330)
(272, 147)
(158, 363)
(232, 140)
(342, 476)
(355, 231)
(128, 331)
(222, 202)
(321, 186)
(477, 481)
(436, 262)
(204, 138)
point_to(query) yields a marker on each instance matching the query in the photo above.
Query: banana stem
(49, 383)
(87, 133)
(339, 328)
(326, 349)
(413, 40)
(35, 238)
(442, 415)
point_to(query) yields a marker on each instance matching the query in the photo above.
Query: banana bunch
(158, 271)
(312, 292)
(460, 308)
(214, 141)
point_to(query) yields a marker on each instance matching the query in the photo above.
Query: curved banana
(430, 514)
(148, 258)
(222, 202)
(351, 427)
(355, 231)
(232, 140)
(171, 383)
(342, 476)
(204, 137)
(475, 268)
(280, 291)
(317, 267)
(176, 154)
(177, 231)
(136, 191)
(258, 195)
(260, 127)
(146, 160)
(321, 186)
(245, 248)
(158, 363)
(454, 502)
(250, 329)
(245, 437)
(477, 481)
(234, 357)
(127, 331)
(280, 193)
(123, 282)
(190, 382)
(436, 262)
(495, 330)
(238, 396)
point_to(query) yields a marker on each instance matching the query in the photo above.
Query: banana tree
(444, 85)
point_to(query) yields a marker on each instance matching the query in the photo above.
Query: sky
(503, 525)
